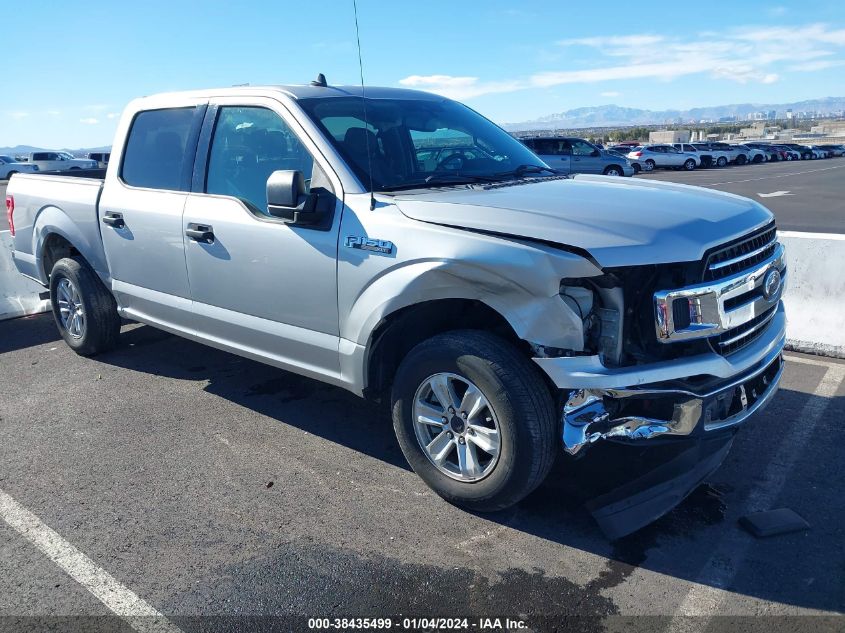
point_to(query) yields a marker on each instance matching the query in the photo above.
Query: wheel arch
(56, 235)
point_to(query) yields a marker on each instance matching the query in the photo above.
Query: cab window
(155, 156)
(248, 145)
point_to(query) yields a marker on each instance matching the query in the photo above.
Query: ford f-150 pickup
(506, 312)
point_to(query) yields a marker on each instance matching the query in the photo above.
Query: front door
(140, 214)
(261, 287)
(586, 159)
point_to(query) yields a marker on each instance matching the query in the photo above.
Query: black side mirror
(288, 200)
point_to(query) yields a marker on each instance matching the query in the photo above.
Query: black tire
(689, 164)
(637, 168)
(613, 170)
(741, 159)
(519, 398)
(757, 159)
(101, 321)
(649, 165)
(721, 161)
(807, 156)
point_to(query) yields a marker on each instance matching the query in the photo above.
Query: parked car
(787, 153)
(101, 158)
(664, 156)
(835, 150)
(820, 152)
(719, 157)
(9, 167)
(570, 155)
(805, 152)
(59, 161)
(707, 156)
(771, 152)
(505, 314)
(736, 154)
(752, 154)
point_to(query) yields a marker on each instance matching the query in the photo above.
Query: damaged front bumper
(633, 404)
(642, 413)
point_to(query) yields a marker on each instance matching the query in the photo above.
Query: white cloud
(611, 93)
(17, 114)
(53, 113)
(742, 55)
(112, 115)
(89, 121)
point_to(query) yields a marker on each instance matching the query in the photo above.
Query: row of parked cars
(689, 156)
(50, 161)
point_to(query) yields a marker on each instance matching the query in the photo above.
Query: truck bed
(65, 204)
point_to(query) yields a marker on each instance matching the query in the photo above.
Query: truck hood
(620, 222)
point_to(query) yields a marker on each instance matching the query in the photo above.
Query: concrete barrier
(815, 292)
(18, 295)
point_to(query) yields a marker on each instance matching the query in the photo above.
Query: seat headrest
(358, 139)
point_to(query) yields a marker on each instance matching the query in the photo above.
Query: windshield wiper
(441, 179)
(520, 171)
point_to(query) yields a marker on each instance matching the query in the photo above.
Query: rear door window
(155, 155)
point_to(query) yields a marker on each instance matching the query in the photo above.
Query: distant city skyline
(510, 62)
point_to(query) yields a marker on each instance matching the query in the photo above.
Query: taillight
(10, 213)
(637, 154)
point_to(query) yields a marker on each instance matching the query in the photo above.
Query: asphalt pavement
(806, 195)
(203, 484)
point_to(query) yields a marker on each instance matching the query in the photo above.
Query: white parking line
(811, 361)
(796, 173)
(119, 599)
(707, 596)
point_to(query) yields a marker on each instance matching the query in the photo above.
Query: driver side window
(582, 148)
(249, 144)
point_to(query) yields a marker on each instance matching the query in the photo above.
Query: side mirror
(596, 153)
(287, 199)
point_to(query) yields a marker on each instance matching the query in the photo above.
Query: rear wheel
(721, 161)
(757, 159)
(474, 419)
(649, 165)
(613, 170)
(689, 164)
(84, 310)
(741, 159)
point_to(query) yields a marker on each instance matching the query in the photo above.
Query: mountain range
(618, 116)
(20, 150)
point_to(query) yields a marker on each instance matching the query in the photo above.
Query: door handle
(200, 232)
(115, 220)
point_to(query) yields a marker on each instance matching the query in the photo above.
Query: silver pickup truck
(507, 313)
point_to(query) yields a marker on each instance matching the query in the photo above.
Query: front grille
(740, 255)
(736, 338)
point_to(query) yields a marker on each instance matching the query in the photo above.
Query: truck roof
(306, 92)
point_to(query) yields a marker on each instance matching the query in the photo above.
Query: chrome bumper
(649, 411)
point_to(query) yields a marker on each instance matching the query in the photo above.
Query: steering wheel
(457, 156)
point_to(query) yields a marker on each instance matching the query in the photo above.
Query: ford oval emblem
(771, 284)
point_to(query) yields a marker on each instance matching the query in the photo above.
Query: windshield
(409, 143)
(66, 156)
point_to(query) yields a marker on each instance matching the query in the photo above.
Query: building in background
(669, 136)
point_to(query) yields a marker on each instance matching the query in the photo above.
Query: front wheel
(757, 159)
(741, 159)
(474, 419)
(689, 164)
(649, 165)
(613, 170)
(721, 161)
(84, 310)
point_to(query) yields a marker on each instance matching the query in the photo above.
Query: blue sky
(77, 64)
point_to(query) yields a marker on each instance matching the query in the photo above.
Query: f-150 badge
(369, 244)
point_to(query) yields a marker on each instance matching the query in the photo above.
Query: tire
(75, 289)
(806, 156)
(689, 164)
(519, 405)
(648, 165)
(612, 170)
(757, 159)
(721, 161)
(741, 159)
(637, 168)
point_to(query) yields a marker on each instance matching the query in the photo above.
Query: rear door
(260, 286)
(141, 210)
(554, 152)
